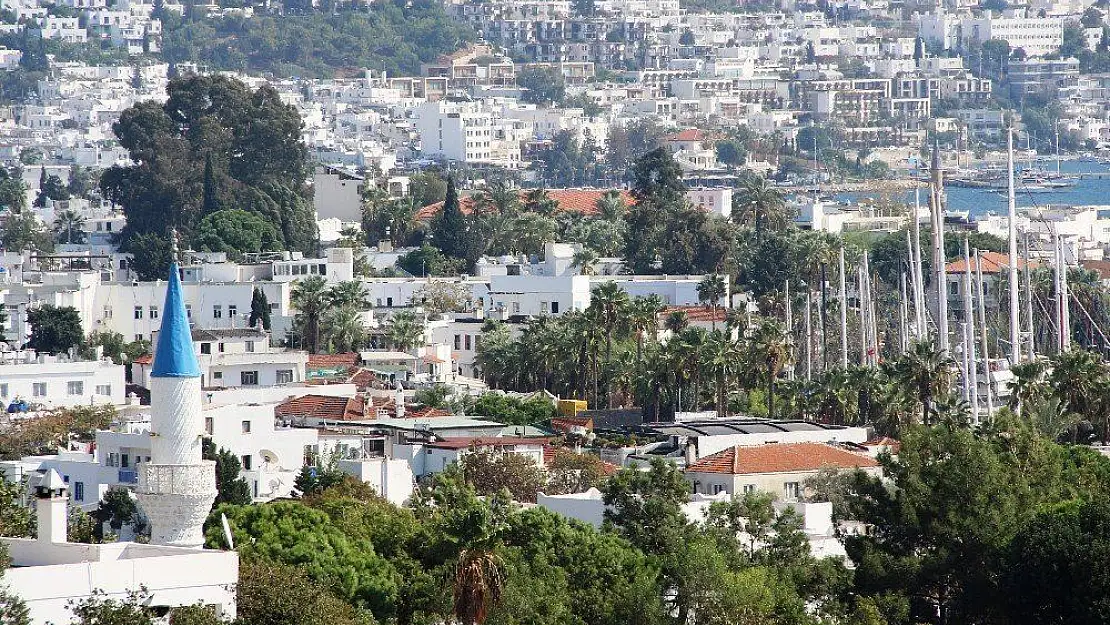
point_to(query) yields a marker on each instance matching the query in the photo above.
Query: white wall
(99, 382)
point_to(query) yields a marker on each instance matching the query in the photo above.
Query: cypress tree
(449, 227)
(260, 310)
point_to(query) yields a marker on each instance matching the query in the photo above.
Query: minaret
(177, 487)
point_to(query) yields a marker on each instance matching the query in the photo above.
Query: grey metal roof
(732, 427)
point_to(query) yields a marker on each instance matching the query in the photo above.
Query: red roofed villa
(779, 469)
(570, 200)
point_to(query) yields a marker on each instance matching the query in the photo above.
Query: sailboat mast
(789, 328)
(938, 252)
(1026, 271)
(843, 312)
(969, 337)
(981, 309)
(915, 265)
(903, 313)
(1011, 211)
(809, 333)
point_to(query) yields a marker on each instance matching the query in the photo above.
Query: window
(793, 490)
(153, 312)
(232, 310)
(516, 307)
(749, 488)
(206, 348)
(3, 390)
(189, 311)
(467, 341)
(138, 312)
(284, 376)
(717, 488)
(75, 388)
(221, 348)
(38, 389)
(458, 342)
(217, 312)
(217, 375)
(124, 460)
(113, 459)
(208, 425)
(248, 378)
(250, 346)
(246, 462)
(246, 427)
(107, 312)
(139, 337)
(104, 389)
(554, 308)
(79, 491)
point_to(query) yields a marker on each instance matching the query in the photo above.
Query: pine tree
(449, 227)
(260, 310)
(211, 189)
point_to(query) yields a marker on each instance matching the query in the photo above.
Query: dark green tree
(449, 226)
(236, 232)
(230, 488)
(151, 255)
(54, 329)
(260, 310)
(542, 85)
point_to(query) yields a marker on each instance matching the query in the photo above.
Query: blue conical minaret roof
(174, 357)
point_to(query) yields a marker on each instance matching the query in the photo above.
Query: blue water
(984, 201)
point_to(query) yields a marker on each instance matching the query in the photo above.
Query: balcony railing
(128, 476)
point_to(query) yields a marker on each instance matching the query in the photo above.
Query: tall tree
(230, 487)
(449, 226)
(310, 298)
(54, 329)
(260, 310)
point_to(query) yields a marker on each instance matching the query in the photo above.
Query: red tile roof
(993, 262)
(332, 361)
(145, 359)
(496, 442)
(323, 407)
(573, 200)
(780, 458)
(364, 379)
(427, 413)
(698, 313)
(565, 423)
(690, 134)
(1102, 267)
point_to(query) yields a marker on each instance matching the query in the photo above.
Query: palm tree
(1029, 386)
(676, 321)
(610, 206)
(70, 224)
(349, 294)
(1079, 380)
(537, 201)
(405, 330)
(759, 205)
(502, 198)
(711, 290)
(926, 372)
(585, 259)
(479, 580)
(344, 329)
(770, 348)
(643, 319)
(610, 302)
(721, 359)
(310, 298)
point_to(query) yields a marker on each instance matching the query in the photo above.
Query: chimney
(51, 508)
(399, 400)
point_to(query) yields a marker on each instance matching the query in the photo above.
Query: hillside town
(557, 312)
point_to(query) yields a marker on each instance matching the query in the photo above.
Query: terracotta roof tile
(322, 407)
(346, 359)
(780, 458)
(690, 134)
(993, 262)
(572, 200)
(145, 359)
(495, 442)
(428, 413)
(698, 313)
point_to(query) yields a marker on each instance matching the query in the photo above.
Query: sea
(982, 202)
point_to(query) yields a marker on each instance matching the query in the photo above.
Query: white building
(48, 573)
(780, 469)
(57, 381)
(467, 132)
(243, 357)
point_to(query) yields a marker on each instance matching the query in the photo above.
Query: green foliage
(270, 592)
(151, 255)
(427, 187)
(490, 473)
(512, 410)
(252, 145)
(23, 231)
(16, 520)
(260, 310)
(291, 533)
(54, 329)
(230, 488)
(100, 609)
(429, 261)
(392, 36)
(235, 232)
(542, 85)
(117, 508)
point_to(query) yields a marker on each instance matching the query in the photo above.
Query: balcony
(128, 476)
